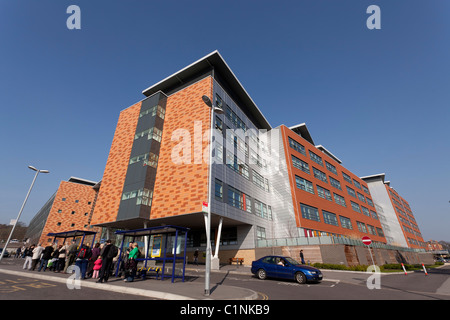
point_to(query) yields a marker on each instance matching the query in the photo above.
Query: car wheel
(261, 274)
(300, 278)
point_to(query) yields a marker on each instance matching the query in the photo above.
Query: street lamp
(21, 209)
(219, 110)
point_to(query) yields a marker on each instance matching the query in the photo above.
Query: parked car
(6, 255)
(284, 268)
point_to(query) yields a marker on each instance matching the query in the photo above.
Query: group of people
(98, 262)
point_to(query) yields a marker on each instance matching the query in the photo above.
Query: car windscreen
(292, 261)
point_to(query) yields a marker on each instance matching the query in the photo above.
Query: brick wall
(181, 188)
(110, 193)
(71, 210)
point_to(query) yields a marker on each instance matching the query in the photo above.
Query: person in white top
(36, 256)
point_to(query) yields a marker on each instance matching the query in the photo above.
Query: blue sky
(377, 99)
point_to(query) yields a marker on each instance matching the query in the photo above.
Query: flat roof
(379, 176)
(212, 61)
(302, 130)
(82, 181)
(72, 233)
(152, 230)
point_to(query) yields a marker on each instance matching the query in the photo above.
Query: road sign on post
(205, 206)
(366, 240)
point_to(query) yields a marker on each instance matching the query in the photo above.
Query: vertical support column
(215, 262)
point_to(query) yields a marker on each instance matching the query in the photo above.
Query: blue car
(285, 268)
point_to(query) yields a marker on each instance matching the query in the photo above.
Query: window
(339, 200)
(144, 197)
(309, 212)
(361, 227)
(300, 164)
(351, 192)
(155, 110)
(235, 198)
(324, 193)
(59, 211)
(330, 167)
(365, 211)
(357, 184)
(355, 207)
(258, 180)
(58, 224)
(374, 214)
(361, 197)
(329, 218)
(248, 204)
(366, 190)
(320, 175)
(304, 184)
(73, 212)
(346, 223)
(152, 133)
(72, 225)
(148, 159)
(63, 199)
(347, 177)
(261, 209)
(76, 201)
(372, 229)
(335, 183)
(297, 146)
(260, 233)
(314, 157)
(369, 202)
(218, 189)
(219, 125)
(380, 232)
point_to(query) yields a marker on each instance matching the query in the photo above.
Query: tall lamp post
(219, 110)
(21, 209)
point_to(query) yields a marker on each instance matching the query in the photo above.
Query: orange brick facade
(317, 228)
(71, 210)
(181, 188)
(110, 192)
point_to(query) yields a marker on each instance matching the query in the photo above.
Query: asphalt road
(349, 286)
(13, 287)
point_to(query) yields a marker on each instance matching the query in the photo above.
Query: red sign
(205, 204)
(366, 240)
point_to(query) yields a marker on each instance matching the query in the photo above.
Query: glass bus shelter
(165, 245)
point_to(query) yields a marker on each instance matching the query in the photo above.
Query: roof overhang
(215, 62)
(302, 130)
(375, 177)
(328, 153)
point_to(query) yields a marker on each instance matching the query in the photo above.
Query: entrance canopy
(73, 234)
(161, 246)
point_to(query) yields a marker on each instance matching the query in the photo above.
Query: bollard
(425, 270)
(404, 269)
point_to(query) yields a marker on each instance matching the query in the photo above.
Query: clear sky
(377, 99)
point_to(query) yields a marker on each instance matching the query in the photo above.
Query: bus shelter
(73, 234)
(162, 244)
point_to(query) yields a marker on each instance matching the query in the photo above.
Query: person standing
(132, 263)
(302, 258)
(62, 257)
(28, 254)
(71, 252)
(82, 259)
(46, 255)
(196, 257)
(108, 253)
(95, 255)
(37, 251)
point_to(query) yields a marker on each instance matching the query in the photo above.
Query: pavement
(191, 289)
